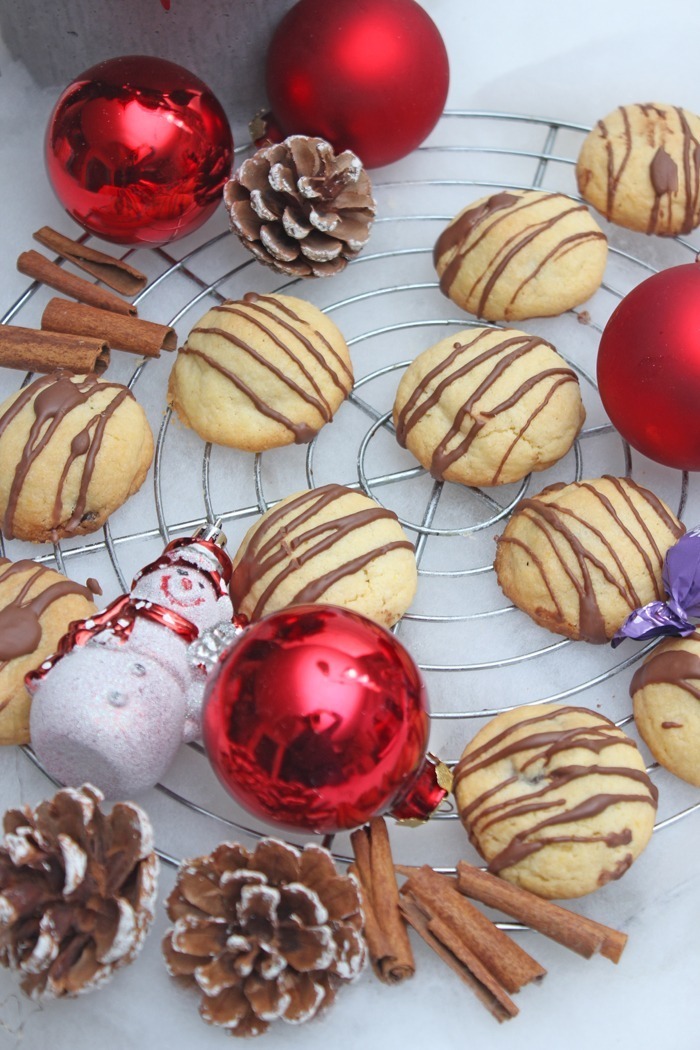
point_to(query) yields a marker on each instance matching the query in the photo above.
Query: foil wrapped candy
(681, 580)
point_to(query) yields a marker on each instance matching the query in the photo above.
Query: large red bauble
(649, 367)
(317, 719)
(367, 75)
(138, 150)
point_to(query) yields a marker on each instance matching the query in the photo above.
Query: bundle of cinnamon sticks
(438, 908)
(78, 336)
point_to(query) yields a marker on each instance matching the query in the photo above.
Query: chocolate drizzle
(471, 417)
(467, 231)
(302, 346)
(664, 175)
(20, 627)
(532, 756)
(280, 546)
(563, 531)
(53, 398)
(460, 230)
(675, 667)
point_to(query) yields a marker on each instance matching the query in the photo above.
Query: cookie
(264, 371)
(330, 545)
(666, 699)
(555, 799)
(579, 558)
(640, 168)
(36, 606)
(521, 253)
(72, 450)
(487, 406)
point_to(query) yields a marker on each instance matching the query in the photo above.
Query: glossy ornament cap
(137, 150)
(649, 367)
(317, 719)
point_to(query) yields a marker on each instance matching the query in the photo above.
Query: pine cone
(264, 936)
(77, 891)
(301, 208)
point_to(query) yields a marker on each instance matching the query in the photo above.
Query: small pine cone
(77, 891)
(301, 208)
(264, 936)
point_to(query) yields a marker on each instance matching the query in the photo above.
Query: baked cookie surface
(666, 698)
(579, 558)
(487, 406)
(36, 606)
(72, 450)
(330, 545)
(556, 799)
(521, 253)
(261, 372)
(640, 168)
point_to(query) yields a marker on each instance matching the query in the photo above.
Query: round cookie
(555, 799)
(265, 371)
(331, 545)
(36, 606)
(521, 253)
(72, 450)
(666, 697)
(640, 168)
(487, 406)
(579, 558)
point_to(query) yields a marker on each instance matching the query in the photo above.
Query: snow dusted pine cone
(301, 208)
(77, 891)
(264, 936)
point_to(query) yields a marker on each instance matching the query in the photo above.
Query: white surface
(543, 59)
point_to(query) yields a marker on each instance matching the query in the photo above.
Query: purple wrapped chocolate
(681, 579)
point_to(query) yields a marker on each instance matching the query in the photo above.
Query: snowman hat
(204, 550)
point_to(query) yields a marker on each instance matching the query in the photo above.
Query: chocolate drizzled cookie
(486, 407)
(579, 558)
(556, 799)
(521, 253)
(261, 372)
(640, 167)
(666, 699)
(72, 450)
(331, 545)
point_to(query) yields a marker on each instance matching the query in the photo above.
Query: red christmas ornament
(649, 367)
(138, 150)
(317, 719)
(367, 75)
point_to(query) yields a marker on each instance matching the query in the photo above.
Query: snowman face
(188, 590)
(183, 588)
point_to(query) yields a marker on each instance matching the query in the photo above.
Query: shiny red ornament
(317, 719)
(137, 150)
(649, 367)
(367, 75)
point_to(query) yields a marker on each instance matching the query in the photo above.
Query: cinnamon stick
(576, 932)
(39, 268)
(507, 961)
(386, 934)
(117, 273)
(466, 965)
(377, 945)
(120, 331)
(34, 351)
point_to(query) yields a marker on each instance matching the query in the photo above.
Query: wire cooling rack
(478, 654)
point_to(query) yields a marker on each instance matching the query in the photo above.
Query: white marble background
(545, 58)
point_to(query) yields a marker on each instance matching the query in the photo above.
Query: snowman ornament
(124, 690)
